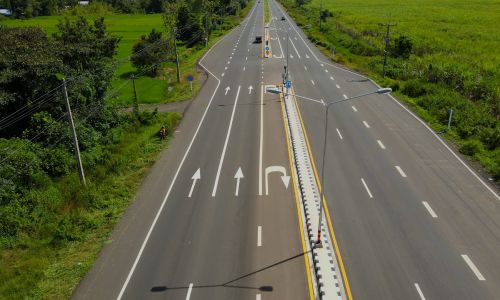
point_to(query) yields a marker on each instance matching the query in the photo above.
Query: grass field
(453, 63)
(130, 28)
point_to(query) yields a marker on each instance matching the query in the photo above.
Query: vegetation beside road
(267, 17)
(51, 227)
(442, 56)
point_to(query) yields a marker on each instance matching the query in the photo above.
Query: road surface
(412, 221)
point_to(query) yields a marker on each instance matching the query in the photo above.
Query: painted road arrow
(250, 88)
(284, 177)
(227, 90)
(196, 176)
(238, 176)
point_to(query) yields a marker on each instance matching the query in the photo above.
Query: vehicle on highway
(258, 39)
(283, 18)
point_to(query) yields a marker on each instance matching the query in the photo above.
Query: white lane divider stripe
(338, 86)
(312, 81)
(305, 68)
(225, 143)
(473, 267)
(188, 296)
(401, 172)
(422, 297)
(331, 77)
(259, 236)
(354, 108)
(429, 209)
(345, 96)
(380, 144)
(326, 71)
(366, 124)
(222, 75)
(340, 135)
(261, 137)
(258, 297)
(366, 187)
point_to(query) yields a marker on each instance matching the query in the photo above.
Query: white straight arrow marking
(227, 90)
(238, 176)
(250, 88)
(196, 176)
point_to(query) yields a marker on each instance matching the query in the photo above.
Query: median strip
(324, 259)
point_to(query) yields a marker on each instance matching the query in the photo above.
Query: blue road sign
(288, 84)
(267, 48)
(190, 78)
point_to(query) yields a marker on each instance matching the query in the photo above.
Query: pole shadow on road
(229, 284)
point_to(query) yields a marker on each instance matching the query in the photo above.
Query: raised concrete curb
(327, 273)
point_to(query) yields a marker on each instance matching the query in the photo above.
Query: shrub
(414, 88)
(471, 147)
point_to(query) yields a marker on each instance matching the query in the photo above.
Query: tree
(149, 52)
(27, 65)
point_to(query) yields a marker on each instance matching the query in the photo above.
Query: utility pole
(386, 50)
(75, 138)
(177, 56)
(136, 101)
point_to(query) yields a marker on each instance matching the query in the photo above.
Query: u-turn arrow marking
(284, 177)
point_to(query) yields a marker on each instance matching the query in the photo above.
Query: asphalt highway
(412, 221)
(217, 218)
(206, 223)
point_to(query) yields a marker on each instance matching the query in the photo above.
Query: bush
(471, 147)
(414, 88)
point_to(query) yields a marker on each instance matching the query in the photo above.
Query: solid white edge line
(340, 135)
(366, 187)
(259, 236)
(473, 267)
(422, 297)
(366, 124)
(380, 144)
(429, 209)
(223, 154)
(258, 297)
(143, 245)
(261, 137)
(190, 289)
(401, 172)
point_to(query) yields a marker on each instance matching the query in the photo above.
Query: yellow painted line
(299, 215)
(326, 210)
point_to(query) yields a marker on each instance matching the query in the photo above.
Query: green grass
(150, 90)
(454, 61)
(36, 266)
(267, 17)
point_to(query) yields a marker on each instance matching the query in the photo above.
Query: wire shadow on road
(229, 284)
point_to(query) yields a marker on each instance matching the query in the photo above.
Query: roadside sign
(288, 84)
(190, 78)
(267, 48)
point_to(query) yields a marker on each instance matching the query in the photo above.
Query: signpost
(190, 79)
